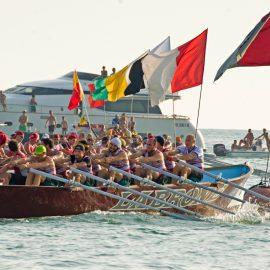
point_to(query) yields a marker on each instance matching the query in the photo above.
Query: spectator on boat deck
(51, 122)
(234, 146)
(31, 144)
(23, 120)
(267, 139)
(3, 100)
(39, 161)
(103, 131)
(123, 120)
(132, 124)
(33, 104)
(190, 153)
(115, 120)
(113, 71)
(115, 156)
(104, 72)
(19, 136)
(249, 137)
(64, 126)
(116, 130)
(151, 156)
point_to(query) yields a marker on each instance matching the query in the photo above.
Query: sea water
(103, 240)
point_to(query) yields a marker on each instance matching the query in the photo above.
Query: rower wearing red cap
(69, 145)
(19, 136)
(31, 145)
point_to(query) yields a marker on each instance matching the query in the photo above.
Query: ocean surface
(102, 240)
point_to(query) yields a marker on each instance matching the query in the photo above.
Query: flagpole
(198, 114)
(148, 105)
(88, 120)
(131, 106)
(105, 115)
(174, 129)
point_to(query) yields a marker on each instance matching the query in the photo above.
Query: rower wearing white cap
(115, 157)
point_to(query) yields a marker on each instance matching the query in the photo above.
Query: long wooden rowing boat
(24, 201)
(263, 189)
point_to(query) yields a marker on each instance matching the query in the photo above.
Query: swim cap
(3, 138)
(79, 147)
(116, 141)
(160, 140)
(40, 149)
(19, 133)
(34, 136)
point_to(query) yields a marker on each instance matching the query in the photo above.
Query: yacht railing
(63, 111)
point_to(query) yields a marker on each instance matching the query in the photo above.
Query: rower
(151, 156)
(39, 161)
(190, 153)
(19, 136)
(116, 157)
(68, 146)
(56, 142)
(79, 160)
(31, 144)
(165, 150)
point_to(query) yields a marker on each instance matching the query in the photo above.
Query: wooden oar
(163, 187)
(181, 179)
(98, 191)
(113, 184)
(221, 179)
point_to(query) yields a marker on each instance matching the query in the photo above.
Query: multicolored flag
(253, 51)
(77, 93)
(127, 81)
(94, 103)
(175, 70)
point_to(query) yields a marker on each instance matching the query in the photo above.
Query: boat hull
(25, 202)
(261, 189)
(247, 154)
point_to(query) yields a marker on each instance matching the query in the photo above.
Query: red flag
(190, 63)
(94, 103)
(176, 70)
(253, 51)
(77, 93)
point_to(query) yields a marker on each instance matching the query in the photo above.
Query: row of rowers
(57, 157)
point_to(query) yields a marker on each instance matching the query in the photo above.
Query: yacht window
(83, 76)
(139, 106)
(28, 90)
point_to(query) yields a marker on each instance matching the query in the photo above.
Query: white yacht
(55, 95)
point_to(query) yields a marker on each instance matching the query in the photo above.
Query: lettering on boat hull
(167, 196)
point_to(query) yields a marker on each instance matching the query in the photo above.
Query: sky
(45, 39)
